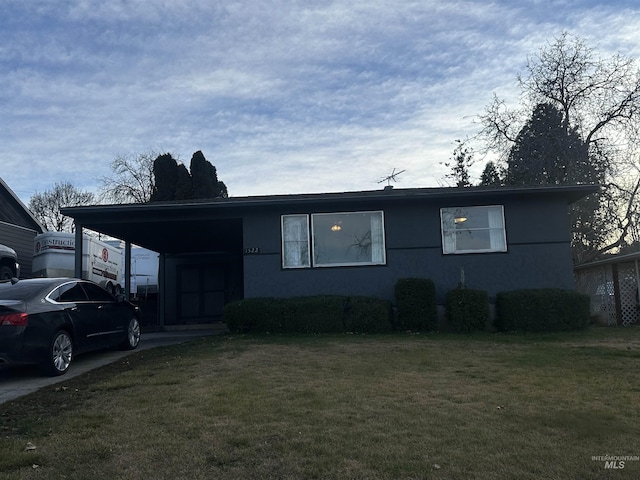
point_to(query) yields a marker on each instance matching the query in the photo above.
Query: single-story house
(18, 228)
(353, 243)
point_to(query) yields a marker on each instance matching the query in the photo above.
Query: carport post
(77, 271)
(127, 270)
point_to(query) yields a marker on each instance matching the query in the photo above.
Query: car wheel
(133, 334)
(60, 354)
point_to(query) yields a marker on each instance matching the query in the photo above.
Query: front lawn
(341, 407)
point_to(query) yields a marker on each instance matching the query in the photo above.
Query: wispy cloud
(281, 96)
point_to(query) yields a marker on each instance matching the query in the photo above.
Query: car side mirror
(120, 297)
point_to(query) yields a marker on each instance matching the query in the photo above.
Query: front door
(200, 293)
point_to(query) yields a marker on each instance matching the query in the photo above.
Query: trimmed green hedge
(416, 304)
(467, 309)
(314, 314)
(542, 310)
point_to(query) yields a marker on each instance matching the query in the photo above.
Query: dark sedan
(48, 321)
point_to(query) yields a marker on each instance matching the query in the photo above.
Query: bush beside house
(467, 309)
(313, 314)
(541, 310)
(416, 304)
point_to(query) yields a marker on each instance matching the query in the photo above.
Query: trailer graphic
(54, 256)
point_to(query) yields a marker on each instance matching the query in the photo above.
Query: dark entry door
(200, 293)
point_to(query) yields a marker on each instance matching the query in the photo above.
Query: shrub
(368, 315)
(253, 315)
(467, 309)
(542, 310)
(313, 314)
(416, 303)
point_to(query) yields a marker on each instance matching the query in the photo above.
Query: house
(353, 243)
(18, 228)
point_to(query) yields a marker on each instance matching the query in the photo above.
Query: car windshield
(20, 291)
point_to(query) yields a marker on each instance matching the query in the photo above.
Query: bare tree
(599, 100)
(133, 180)
(46, 206)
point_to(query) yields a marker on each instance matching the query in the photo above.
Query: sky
(297, 96)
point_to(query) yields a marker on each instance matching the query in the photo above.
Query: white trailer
(144, 269)
(54, 256)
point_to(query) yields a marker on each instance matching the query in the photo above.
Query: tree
(184, 184)
(174, 182)
(132, 180)
(459, 164)
(548, 152)
(205, 178)
(46, 206)
(492, 175)
(596, 109)
(165, 172)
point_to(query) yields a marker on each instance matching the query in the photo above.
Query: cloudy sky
(281, 96)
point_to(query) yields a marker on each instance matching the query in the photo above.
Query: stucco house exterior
(353, 243)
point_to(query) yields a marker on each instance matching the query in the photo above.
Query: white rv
(54, 256)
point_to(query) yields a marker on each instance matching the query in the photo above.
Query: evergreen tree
(184, 184)
(174, 182)
(460, 163)
(204, 176)
(165, 171)
(492, 175)
(547, 152)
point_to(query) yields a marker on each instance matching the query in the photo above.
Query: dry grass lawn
(341, 407)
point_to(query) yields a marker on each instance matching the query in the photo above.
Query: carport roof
(216, 224)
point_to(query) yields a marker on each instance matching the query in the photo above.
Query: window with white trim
(337, 239)
(295, 241)
(477, 229)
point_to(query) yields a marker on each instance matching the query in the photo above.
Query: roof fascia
(22, 206)
(571, 192)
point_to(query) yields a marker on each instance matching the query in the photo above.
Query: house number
(252, 251)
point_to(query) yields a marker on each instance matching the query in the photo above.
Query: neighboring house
(18, 227)
(353, 243)
(613, 286)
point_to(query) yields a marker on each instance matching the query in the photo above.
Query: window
(295, 241)
(338, 239)
(473, 229)
(69, 292)
(96, 293)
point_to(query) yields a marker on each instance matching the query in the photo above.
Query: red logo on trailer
(105, 255)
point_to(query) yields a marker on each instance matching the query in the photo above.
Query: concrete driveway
(20, 381)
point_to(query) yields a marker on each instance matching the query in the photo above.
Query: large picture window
(473, 229)
(337, 239)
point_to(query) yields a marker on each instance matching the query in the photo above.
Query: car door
(85, 316)
(110, 311)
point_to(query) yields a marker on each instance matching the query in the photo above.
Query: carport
(200, 247)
